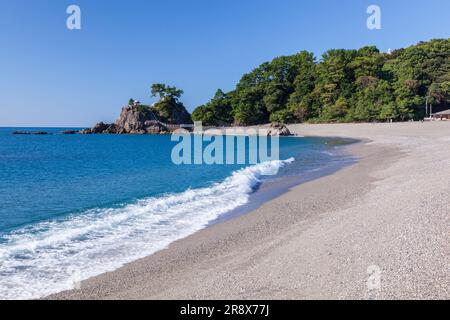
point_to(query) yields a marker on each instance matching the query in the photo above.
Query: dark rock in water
(101, 128)
(112, 129)
(70, 132)
(31, 132)
(279, 129)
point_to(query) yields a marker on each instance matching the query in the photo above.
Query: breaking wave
(54, 256)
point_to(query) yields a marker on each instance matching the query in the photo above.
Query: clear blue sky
(51, 76)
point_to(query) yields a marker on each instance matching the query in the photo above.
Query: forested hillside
(343, 86)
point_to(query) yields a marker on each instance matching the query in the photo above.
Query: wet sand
(378, 229)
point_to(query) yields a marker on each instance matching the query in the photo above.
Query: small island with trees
(162, 117)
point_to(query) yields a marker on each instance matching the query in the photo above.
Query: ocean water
(75, 206)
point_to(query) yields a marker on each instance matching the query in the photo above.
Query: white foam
(53, 256)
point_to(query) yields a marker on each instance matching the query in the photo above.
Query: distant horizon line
(51, 127)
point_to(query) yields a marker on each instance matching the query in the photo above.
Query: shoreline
(211, 237)
(272, 189)
(312, 154)
(315, 241)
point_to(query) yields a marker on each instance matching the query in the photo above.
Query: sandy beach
(385, 216)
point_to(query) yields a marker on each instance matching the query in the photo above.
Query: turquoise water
(74, 206)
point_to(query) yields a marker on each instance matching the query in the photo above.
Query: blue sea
(75, 206)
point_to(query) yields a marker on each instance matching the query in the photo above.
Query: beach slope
(378, 229)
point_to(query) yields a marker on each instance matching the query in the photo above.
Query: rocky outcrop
(279, 129)
(168, 110)
(155, 127)
(133, 119)
(101, 128)
(138, 119)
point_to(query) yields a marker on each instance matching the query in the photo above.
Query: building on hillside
(443, 115)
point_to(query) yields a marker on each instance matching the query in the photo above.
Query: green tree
(216, 112)
(344, 86)
(373, 100)
(165, 91)
(300, 104)
(169, 109)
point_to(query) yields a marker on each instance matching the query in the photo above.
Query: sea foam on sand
(53, 256)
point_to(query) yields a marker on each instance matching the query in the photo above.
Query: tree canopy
(163, 91)
(344, 86)
(216, 112)
(168, 108)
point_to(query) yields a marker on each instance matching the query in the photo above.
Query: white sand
(390, 213)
